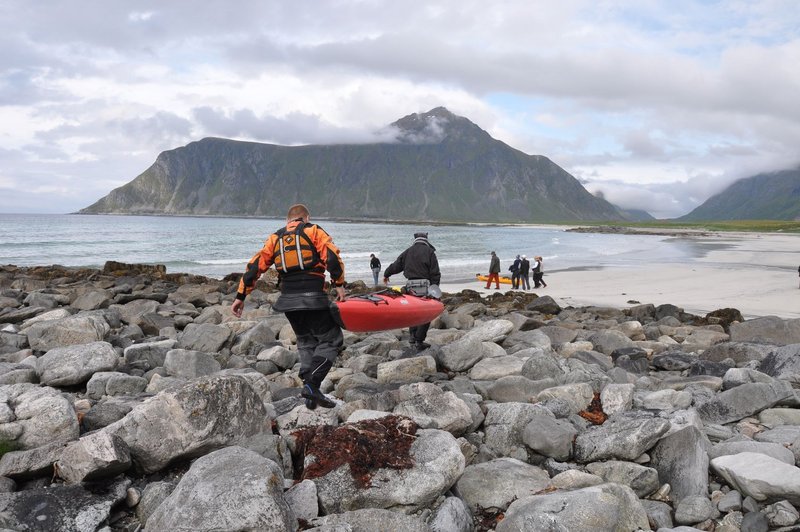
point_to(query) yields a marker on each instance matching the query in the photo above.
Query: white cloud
(656, 103)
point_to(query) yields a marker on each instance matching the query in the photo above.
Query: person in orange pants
(494, 272)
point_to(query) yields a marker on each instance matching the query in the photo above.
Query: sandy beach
(755, 273)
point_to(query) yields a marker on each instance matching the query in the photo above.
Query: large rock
(494, 368)
(608, 341)
(496, 484)
(505, 424)
(742, 401)
(61, 507)
(550, 437)
(619, 437)
(79, 329)
(22, 465)
(204, 415)
(132, 312)
(92, 300)
(767, 330)
(739, 352)
(406, 370)
(75, 364)
(606, 507)
(187, 364)
(452, 516)
(431, 408)
(41, 415)
(362, 474)
(760, 476)
(205, 337)
(229, 489)
(114, 383)
(466, 351)
(775, 450)
(642, 480)
(94, 456)
(681, 460)
(783, 363)
(369, 520)
(148, 355)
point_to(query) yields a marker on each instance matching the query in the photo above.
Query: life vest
(294, 251)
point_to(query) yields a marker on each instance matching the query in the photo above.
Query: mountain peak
(436, 126)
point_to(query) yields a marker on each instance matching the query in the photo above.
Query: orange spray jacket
(301, 254)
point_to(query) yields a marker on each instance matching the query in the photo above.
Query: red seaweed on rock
(365, 446)
(594, 412)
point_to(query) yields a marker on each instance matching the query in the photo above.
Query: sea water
(215, 247)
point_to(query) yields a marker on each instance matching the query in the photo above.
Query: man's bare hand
(237, 307)
(339, 293)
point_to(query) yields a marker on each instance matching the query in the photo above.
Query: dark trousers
(537, 280)
(515, 280)
(525, 284)
(319, 340)
(419, 332)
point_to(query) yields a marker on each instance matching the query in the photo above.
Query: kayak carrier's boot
(312, 395)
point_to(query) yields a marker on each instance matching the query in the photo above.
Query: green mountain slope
(770, 196)
(442, 168)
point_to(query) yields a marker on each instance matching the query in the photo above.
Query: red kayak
(385, 310)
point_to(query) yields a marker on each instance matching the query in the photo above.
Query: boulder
(496, 367)
(619, 437)
(505, 424)
(517, 389)
(38, 462)
(775, 450)
(148, 355)
(544, 305)
(75, 364)
(186, 364)
(608, 341)
(406, 370)
(742, 401)
(740, 352)
(760, 476)
(642, 480)
(114, 383)
(229, 489)
(205, 337)
(204, 415)
(381, 464)
(492, 486)
(767, 330)
(131, 313)
(92, 300)
(74, 330)
(431, 408)
(369, 519)
(282, 357)
(606, 507)
(61, 507)
(41, 415)
(783, 363)
(452, 515)
(681, 460)
(550, 437)
(96, 455)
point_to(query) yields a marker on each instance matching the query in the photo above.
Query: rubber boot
(312, 395)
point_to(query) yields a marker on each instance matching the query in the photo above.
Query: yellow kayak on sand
(484, 278)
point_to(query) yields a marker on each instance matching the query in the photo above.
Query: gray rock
(74, 330)
(285, 359)
(96, 455)
(368, 519)
(550, 437)
(737, 376)
(75, 364)
(302, 499)
(621, 438)
(505, 424)
(494, 368)
(659, 513)
(674, 361)
(152, 496)
(61, 507)
(520, 340)
(148, 355)
(131, 313)
(106, 412)
(232, 414)
(20, 315)
(617, 398)
(782, 363)
(730, 502)
(642, 480)
(186, 364)
(782, 513)
(230, 489)
(558, 335)
(114, 383)
(430, 408)
(775, 450)
(92, 300)
(452, 515)
(608, 341)
(366, 364)
(742, 401)
(694, 509)
(606, 507)
(41, 416)
(254, 340)
(577, 396)
(767, 330)
(755, 522)
(16, 373)
(542, 364)
(760, 476)
(496, 484)
(438, 463)
(23, 465)
(740, 352)
(545, 305)
(406, 370)
(204, 337)
(682, 461)
(517, 389)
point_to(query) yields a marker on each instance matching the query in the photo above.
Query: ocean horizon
(216, 246)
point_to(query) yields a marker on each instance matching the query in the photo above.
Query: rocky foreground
(131, 399)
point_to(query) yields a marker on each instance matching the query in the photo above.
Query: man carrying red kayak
(417, 263)
(301, 252)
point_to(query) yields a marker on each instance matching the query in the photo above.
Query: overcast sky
(658, 104)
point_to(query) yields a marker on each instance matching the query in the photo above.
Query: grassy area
(756, 226)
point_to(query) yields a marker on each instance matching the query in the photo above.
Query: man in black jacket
(417, 262)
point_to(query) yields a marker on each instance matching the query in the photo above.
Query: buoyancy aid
(295, 252)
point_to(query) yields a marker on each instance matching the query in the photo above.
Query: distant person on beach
(301, 252)
(375, 266)
(524, 270)
(419, 265)
(538, 272)
(514, 269)
(494, 272)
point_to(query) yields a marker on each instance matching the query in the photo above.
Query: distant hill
(636, 215)
(442, 167)
(769, 196)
